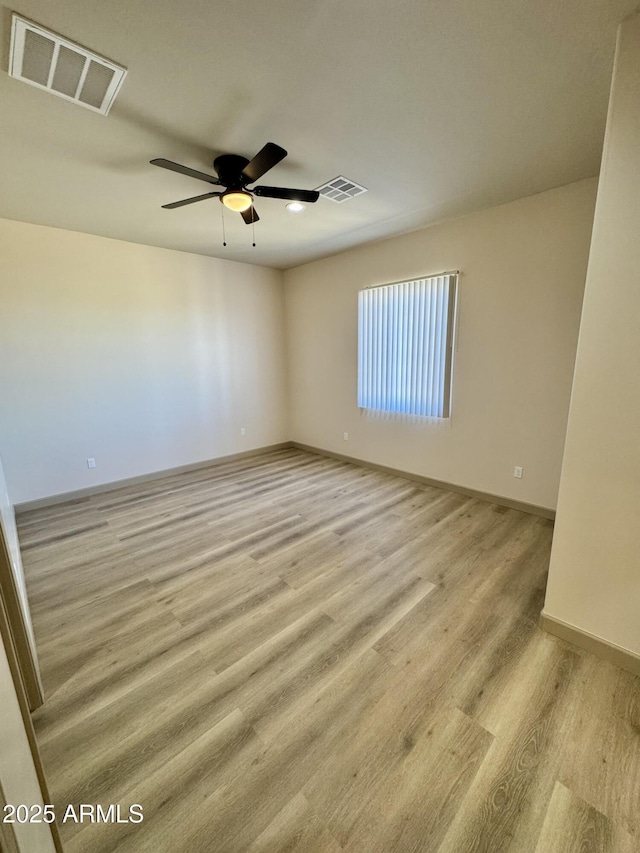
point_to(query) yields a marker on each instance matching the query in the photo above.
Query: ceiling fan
(234, 174)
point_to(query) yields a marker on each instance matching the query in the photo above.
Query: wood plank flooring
(292, 653)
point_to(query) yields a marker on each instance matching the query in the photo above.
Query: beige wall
(523, 269)
(594, 580)
(143, 358)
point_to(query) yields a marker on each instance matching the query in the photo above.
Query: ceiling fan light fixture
(237, 200)
(234, 173)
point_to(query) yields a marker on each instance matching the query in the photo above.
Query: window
(405, 334)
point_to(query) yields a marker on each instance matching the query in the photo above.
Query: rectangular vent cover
(57, 65)
(341, 189)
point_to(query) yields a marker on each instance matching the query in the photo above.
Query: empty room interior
(319, 406)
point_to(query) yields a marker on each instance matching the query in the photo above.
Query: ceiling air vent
(48, 61)
(341, 189)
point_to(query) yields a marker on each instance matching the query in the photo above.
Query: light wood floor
(291, 653)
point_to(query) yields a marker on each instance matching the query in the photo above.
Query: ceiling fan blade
(183, 170)
(264, 160)
(189, 200)
(309, 196)
(250, 215)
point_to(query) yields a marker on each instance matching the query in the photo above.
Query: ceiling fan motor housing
(229, 169)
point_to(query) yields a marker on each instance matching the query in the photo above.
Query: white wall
(17, 772)
(594, 579)
(143, 358)
(523, 269)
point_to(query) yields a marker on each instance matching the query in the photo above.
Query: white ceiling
(438, 107)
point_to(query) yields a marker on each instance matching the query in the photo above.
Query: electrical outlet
(243, 431)
(517, 472)
(91, 462)
(345, 435)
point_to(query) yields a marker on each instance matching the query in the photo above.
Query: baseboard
(521, 506)
(584, 640)
(80, 494)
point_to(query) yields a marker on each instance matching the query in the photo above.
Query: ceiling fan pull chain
(253, 228)
(224, 236)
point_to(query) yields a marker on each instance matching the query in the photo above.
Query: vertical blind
(405, 334)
